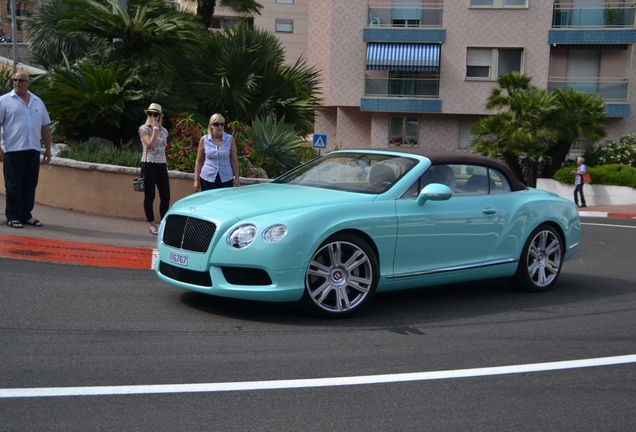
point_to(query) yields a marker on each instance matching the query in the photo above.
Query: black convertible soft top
(438, 157)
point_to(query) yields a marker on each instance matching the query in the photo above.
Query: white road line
(309, 383)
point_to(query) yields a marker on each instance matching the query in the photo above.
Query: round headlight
(274, 233)
(241, 237)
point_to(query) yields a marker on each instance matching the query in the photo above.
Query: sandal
(33, 222)
(14, 224)
(153, 230)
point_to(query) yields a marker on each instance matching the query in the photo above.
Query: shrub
(622, 152)
(183, 142)
(609, 175)
(127, 155)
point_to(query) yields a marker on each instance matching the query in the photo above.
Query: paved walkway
(77, 238)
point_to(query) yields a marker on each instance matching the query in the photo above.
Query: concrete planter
(595, 195)
(104, 190)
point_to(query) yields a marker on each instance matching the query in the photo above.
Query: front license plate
(177, 258)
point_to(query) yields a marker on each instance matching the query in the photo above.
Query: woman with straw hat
(154, 138)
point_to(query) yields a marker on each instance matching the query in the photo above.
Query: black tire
(541, 260)
(341, 277)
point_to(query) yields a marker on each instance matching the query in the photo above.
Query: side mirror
(434, 192)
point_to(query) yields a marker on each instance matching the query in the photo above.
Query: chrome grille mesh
(188, 233)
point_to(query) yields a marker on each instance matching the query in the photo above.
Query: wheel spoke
(335, 253)
(357, 259)
(359, 284)
(343, 303)
(321, 292)
(318, 269)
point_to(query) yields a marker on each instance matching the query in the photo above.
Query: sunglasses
(153, 114)
(20, 80)
(218, 124)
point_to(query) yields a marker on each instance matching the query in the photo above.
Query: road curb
(607, 214)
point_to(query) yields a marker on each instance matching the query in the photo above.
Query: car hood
(248, 201)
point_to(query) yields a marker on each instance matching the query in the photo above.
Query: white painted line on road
(309, 383)
(608, 225)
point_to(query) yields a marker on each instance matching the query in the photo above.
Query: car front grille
(188, 233)
(246, 276)
(184, 275)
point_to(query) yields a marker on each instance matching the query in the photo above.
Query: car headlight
(241, 237)
(274, 233)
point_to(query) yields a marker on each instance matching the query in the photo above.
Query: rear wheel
(541, 260)
(341, 277)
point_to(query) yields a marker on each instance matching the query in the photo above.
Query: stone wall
(104, 190)
(595, 195)
(24, 55)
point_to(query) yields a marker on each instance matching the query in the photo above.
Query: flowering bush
(621, 152)
(181, 150)
(397, 140)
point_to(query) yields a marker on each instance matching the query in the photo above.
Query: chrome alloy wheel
(541, 260)
(341, 277)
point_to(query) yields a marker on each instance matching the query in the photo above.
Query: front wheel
(541, 260)
(341, 277)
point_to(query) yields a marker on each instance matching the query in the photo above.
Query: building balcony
(401, 87)
(600, 15)
(610, 89)
(412, 14)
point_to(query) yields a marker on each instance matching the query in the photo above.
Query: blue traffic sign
(320, 141)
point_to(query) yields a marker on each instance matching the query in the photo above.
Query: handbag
(586, 178)
(139, 184)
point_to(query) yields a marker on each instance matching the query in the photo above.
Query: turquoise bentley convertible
(334, 231)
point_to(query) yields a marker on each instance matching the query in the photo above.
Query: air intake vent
(184, 275)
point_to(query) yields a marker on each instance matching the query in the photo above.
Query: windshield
(353, 172)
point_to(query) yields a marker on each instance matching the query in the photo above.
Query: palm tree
(519, 135)
(149, 30)
(579, 115)
(534, 130)
(242, 75)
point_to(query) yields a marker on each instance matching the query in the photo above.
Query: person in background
(25, 122)
(154, 138)
(217, 160)
(578, 181)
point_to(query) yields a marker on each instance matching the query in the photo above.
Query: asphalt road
(87, 328)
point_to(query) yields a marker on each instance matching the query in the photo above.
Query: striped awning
(403, 56)
(591, 46)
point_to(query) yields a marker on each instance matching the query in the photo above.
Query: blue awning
(403, 56)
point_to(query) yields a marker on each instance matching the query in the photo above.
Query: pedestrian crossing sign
(320, 141)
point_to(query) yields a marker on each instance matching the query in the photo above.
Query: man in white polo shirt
(25, 123)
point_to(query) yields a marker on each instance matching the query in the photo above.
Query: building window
(20, 9)
(284, 26)
(498, 3)
(491, 63)
(403, 131)
(219, 23)
(285, 1)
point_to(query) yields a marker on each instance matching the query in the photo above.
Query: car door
(445, 235)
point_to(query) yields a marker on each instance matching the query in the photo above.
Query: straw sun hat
(154, 107)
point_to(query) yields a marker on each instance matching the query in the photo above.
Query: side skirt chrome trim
(450, 269)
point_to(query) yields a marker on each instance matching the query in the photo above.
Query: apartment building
(22, 9)
(415, 74)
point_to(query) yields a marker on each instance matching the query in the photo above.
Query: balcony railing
(568, 15)
(405, 14)
(402, 87)
(611, 89)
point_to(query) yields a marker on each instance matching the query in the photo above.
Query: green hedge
(84, 152)
(608, 175)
